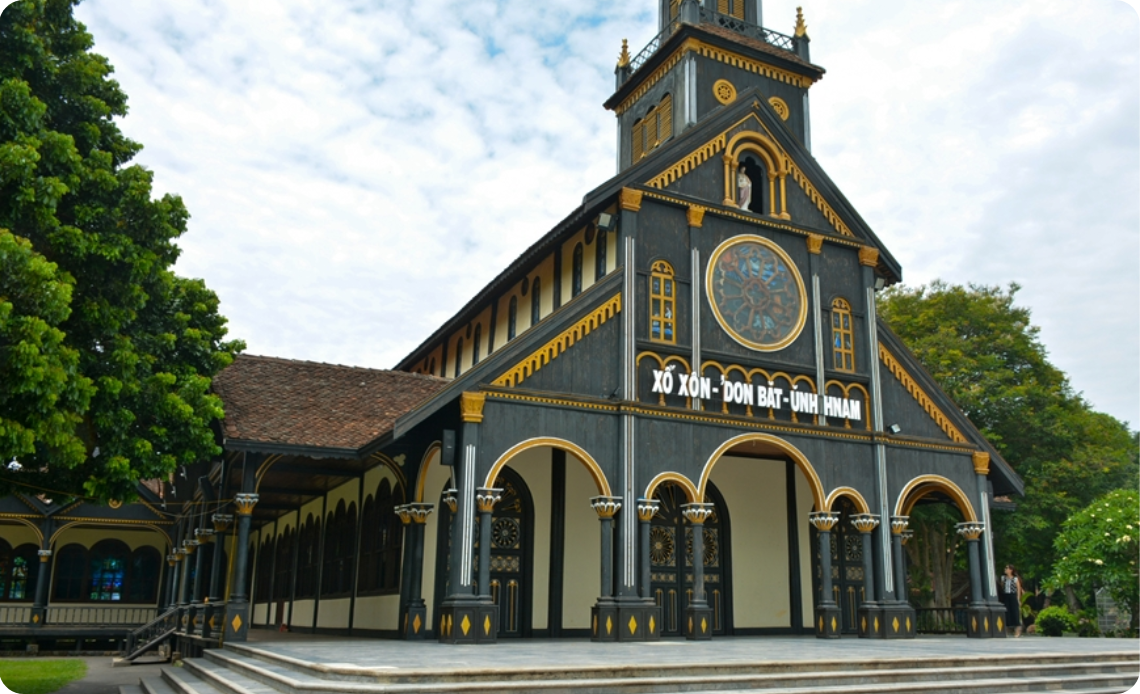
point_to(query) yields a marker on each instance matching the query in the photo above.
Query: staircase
(241, 669)
(151, 635)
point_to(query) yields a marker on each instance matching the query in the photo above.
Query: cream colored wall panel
(755, 493)
(289, 520)
(133, 538)
(380, 612)
(803, 509)
(260, 613)
(17, 535)
(347, 493)
(535, 468)
(437, 477)
(333, 613)
(302, 613)
(582, 563)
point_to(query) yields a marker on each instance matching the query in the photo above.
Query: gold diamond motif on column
(864, 623)
(908, 625)
(895, 624)
(974, 623)
(690, 625)
(833, 624)
(236, 623)
(36, 619)
(876, 624)
(416, 624)
(632, 625)
(595, 625)
(1000, 627)
(821, 623)
(986, 623)
(609, 625)
(704, 625)
(213, 622)
(486, 624)
(465, 625)
(652, 624)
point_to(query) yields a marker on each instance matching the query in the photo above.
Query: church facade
(676, 413)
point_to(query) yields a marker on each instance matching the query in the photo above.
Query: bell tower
(707, 54)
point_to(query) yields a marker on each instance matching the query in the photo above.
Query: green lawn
(40, 676)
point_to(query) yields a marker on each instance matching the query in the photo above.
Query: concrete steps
(240, 669)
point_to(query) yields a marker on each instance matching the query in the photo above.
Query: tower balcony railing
(754, 31)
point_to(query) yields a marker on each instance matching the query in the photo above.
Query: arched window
(535, 302)
(475, 347)
(309, 558)
(734, 8)
(654, 128)
(19, 569)
(758, 180)
(662, 303)
(70, 569)
(600, 256)
(107, 564)
(842, 336)
(145, 569)
(458, 356)
(283, 580)
(382, 543)
(576, 272)
(513, 318)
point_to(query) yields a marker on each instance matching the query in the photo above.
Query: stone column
(981, 461)
(605, 624)
(39, 606)
(899, 617)
(186, 618)
(646, 509)
(978, 613)
(237, 603)
(870, 625)
(485, 500)
(172, 560)
(828, 620)
(698, 614)
(202, 536)
(414, 516)
(215, 604)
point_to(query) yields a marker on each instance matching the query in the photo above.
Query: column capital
(630, 199)
(981, 461)
(899, 524)
(419, 511)
(203, 535)
(221, 521)
(451, 498)
(44, 554)
(179, 554)
(486, 498)
(815, 244)
(404, 514)
(869, 256)
(696, 215)
(906, 535)
(245, 503)
(471, 407)
(823, 521)
(971, 530)
(606, 506)
(697, 514)
(647, 508)
(188, 546)
(171, 559)
(865, 522)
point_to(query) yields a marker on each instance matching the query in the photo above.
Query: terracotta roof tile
(304, 403)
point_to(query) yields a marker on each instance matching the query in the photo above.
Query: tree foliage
(1098, 548)
(986, 354)
(148, 341)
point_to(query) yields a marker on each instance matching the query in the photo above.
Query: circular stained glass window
(756, 293)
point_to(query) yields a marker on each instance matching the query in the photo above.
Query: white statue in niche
(743, 190)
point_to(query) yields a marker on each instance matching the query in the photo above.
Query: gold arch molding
(692, 494)
(850, 493)
(924, 485)
(434, 449)
(570, 447)
(801, 461)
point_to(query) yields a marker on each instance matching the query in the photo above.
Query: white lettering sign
(669, 382)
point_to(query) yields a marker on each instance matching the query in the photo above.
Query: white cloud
(357, 170)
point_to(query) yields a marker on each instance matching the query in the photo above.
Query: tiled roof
(756, 44)
(304, 403)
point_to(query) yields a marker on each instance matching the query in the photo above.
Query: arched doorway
(847, 586)
(671, 583)
(512, 554)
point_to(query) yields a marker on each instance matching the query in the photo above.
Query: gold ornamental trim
(630, 199)
(869, 256)
(653, 78)
(801, 26)
(816, 197)
(780, 107)
(623, 57)
(724, 92)
(691, 161)
(815, 244)
(696, 215)
(471, 407)
(565, 340)
(981, 461)
(916, 391)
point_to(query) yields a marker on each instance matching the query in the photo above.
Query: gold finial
(623, 59)
(801, 28)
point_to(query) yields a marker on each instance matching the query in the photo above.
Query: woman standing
(1011, 598)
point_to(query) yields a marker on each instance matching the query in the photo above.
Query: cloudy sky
(357, 169)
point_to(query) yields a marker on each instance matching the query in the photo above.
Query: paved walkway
(388, 654)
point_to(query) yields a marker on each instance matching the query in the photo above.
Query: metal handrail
(940, 620)
(145, 637)
(772, 38)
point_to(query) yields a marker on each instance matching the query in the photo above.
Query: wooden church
(674, 414)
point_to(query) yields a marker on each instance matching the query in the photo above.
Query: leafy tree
(1098, 548)
(147, 340)
(44, 394)
(987, 356)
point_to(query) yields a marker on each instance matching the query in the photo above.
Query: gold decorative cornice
(647, 83)
(801, 26)
(690, 161)
(869, 256)
(823, 521)
(471, 407)
(815, 244)
(630, 199)
(899, 524)
(565, 340)
(981, 462)
(919, 395)
(865, 522)
(623, 58)
(245, 503)
(698, 513)
(970, 530)
(647, 508)
(606, 506)
(486, 498)
(696, 215)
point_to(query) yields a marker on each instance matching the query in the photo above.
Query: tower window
(458, 356)
(576, 272)
(535, 302)
(600, 258)
(662, 303)
(734, 8)
(654, 128)
(843, 345)
(513, 318)
(475, 347)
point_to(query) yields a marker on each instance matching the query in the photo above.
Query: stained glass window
(662, 303)
(600, 258)
(756, 293)
(842, 336)
(576, 272)
(107, 564)
(513, 318)
(535, 302)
